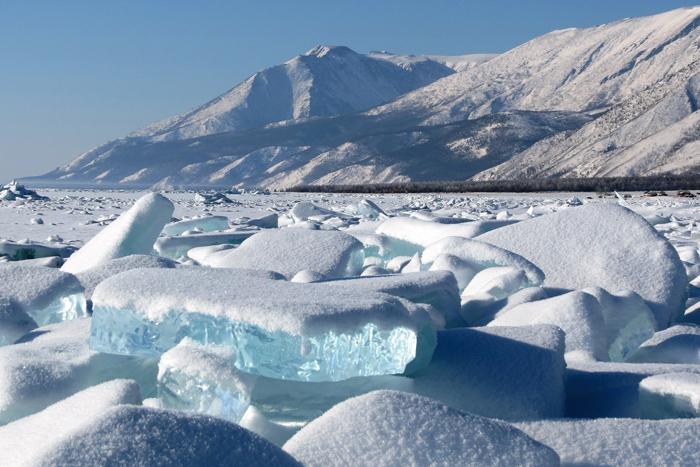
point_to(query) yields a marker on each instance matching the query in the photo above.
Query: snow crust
(388, 428)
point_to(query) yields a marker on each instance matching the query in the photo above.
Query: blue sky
(75, 74)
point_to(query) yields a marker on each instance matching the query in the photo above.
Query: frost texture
(326, 357)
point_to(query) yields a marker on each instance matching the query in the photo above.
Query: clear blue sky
(75, 74)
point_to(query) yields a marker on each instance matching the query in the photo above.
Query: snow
(29, 441)
(288, 251)
(388, 428)
(90, 278)
(619, 441)
(601, 245)
(673, 395)
(134, 232)
(54, 362)
(125, 436)
(510, 373)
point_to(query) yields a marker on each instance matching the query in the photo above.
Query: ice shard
(203, 378)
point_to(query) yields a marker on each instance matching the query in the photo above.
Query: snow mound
(127, 436)
(134, 232)
(29, 441)
(619, 442)
(54, 362)
(601, 245)
(578, 314)
(677, 344)
(510, 373)
(288, 251)
(389, 428)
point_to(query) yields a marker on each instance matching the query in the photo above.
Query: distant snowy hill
(616, 99)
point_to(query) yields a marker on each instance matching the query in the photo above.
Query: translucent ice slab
(202, 379)
(61, 309)
(673, 395)
(205, 223)
(279, 329)
(326, 357)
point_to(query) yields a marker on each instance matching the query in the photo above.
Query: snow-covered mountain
(324, 82)
(616, 99)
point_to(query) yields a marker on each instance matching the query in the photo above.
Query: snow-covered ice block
(604, 389)
(134, 232)
(619, 442)
(14, 322)
(93, 276)
(577, 313)
(177, 246)
(28, 442)
(481, 311)
(199, 253)
(54, 362)
(203, 378)
(601, 245)
(677, 344)
(270, 221)
(389, 428)
(364, 208)
(127, 436)
(295, 403)
(673, 395)
(304, 210)
(279, 329)
(436, 288)
(27, 251)
(463, 270)
(288, 251)
(204, 223)
(628, 321)
(216, 198)
(420, 233)
(275, 433)
(397, 263)
(412, 266)
(483, 255)
(497, 283)
(46, 295)
(510, 373)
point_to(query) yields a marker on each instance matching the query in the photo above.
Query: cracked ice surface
(284, 330)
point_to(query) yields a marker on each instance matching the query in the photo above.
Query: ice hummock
(673, 395)
(288, 251)
(204, 223)
(46, 295)
(601, 245)
(134, 232)
(177, 246)
(203, 378)
(279, 329)
(14, 322)
(390, 428)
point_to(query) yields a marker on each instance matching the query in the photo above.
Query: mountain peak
(322, 50)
